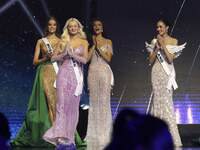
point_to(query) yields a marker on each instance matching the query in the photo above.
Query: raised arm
(91, 50)
(106, 56)
(59, 57)
(152, 55)
(36, 60)
(90, 53)
(83, 58)
(59, 47)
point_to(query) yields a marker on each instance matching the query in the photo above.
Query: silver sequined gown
(100, 118)
(163, 107)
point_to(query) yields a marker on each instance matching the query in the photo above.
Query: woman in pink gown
(74, 48)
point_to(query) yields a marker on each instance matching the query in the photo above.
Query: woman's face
(162, 28)
(73, 28)
(98, 27)
(52, 26)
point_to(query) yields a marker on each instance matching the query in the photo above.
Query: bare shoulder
(109, 41)
(39, 41)
(174, 41)
(84, 42)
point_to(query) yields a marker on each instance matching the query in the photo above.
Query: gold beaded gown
(99, 83)
(48, 76)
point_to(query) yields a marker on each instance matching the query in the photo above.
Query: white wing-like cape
(171, 48)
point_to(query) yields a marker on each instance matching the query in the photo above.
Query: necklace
(165, 38)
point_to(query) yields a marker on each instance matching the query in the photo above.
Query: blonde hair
(65, 36)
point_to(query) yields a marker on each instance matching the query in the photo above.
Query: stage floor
(94, 148)
(187, 111)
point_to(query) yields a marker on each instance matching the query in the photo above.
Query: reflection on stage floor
(96, 148)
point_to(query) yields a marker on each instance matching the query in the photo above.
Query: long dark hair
(104, 34)
(165, 21)
(91, 30)
(57, 28)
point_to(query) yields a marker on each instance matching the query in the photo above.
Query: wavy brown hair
(46, 32)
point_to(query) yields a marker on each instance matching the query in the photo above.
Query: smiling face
(52, 26)
(98, 27)
(73, 28)
(162, 28)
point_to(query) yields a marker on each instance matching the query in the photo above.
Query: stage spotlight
(7, 5)
(46, 10)
(30, 16)
(177, 114)
(189, 114)
(190, 71)
(27, 11)
(177, 17)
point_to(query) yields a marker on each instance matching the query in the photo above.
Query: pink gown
(68, 104)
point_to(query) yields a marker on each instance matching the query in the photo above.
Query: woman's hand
(98, 48)
(91, 50)
(70, 52)
(48, 56)
(158, 45)
(160, 41)
(55, 53)
(94, 40)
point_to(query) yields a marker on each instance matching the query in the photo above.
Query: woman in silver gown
(163, 50)
(99, 82)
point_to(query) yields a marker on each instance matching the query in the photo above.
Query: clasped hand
(160, 42)
(48, 56)
(70, 52)
(96, 42)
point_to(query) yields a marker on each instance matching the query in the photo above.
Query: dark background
(18, 37)
(131, 23)
(128, 24)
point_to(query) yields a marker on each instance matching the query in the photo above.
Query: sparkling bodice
(43, 46)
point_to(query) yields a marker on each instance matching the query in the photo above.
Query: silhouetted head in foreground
(123, 118)
(140, 132)
(153, 134)
(4, 132)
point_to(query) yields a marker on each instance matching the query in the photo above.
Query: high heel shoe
(65, 145)
(59, 141)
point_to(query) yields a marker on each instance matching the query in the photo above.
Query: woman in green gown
(44, 96)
